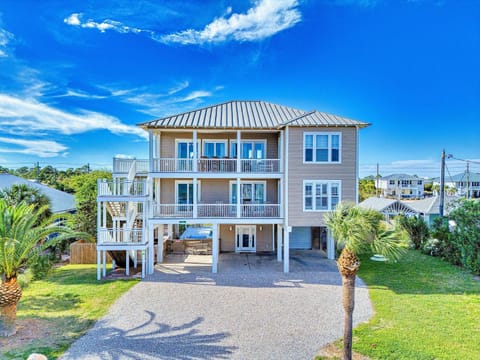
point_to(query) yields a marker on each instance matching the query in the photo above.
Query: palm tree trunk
(348, 264)
(348, 287)
(10, 294)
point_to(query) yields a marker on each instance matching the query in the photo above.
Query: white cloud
(75, 20)
(30, 116)
(364, 3)
(5, 38)
(265, 19)
(124, 156)
(194, 95)
(181, 86)
(40, 148)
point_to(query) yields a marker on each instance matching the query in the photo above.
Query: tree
(359, 231)
(85, 188)
(30, 195)
(366, 189)
(20, 233)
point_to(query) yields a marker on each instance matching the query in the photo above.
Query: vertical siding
(298, 172)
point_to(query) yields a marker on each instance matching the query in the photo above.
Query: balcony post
(238, 151)
(215, 248)
(280, 151)
(195, 197)
(150, 149)
(238, 197)
(279, 242)
(195, 152)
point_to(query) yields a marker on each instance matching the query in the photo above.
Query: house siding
(298, 172)
(167, 141)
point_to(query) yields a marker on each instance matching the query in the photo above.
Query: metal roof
(249, 115)
(401, 177)
(61, 202)
(376, 203)
(431, 205)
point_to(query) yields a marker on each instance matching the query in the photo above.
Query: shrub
(40, 265)
(416, 229)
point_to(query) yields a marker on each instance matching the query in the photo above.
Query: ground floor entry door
(245, 239)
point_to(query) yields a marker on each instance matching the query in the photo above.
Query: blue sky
(76, 76)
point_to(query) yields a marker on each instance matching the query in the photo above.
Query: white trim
(242, 182)
(329, 193)
(186, 140)
(243, 141)
(254, 233)
(188, 182)
(329, 149)
(357, 177)
(215, 141)
(286, 239)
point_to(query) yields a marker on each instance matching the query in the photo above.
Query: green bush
(40, 265)
(416, 229)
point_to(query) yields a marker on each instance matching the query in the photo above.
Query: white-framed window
(184, 192)
(214, 148)
(184, 148)
(392, 182)
(251, 192)
(322, 147)
(250, 149)
(321, 195)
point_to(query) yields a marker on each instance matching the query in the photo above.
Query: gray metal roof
(249, 115)
(61, 201)
(463, 177)
(431, 205)
(401, 177)
(376, 203)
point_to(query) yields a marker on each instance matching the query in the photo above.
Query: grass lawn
(55, 311)
(424, 309)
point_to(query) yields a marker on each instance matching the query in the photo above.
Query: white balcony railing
(217, 210)
(120, 236)
(123, 166)
(225, 165)
(122, 188)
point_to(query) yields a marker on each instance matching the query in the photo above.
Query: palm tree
(18, 193)
(359, 231)
(20, 232)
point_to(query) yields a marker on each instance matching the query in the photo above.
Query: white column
(99, 274)
(150, 148)
(158, 144)
(143, 264)
(195, 197)
(160, 243)
(281, 156)
(104, 261)
(279, 242)
(104, 214)
(195, 151)
(238, 198)
(273, 237)
(127, 263)
(330, 246)
(286, 249)
(215, 248)
(151, 249)
(238, 151)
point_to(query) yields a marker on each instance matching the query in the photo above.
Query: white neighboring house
(61, 202)
(461, 182)
(401, 186)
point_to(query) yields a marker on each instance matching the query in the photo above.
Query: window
(212, 149)
(250, 192)
(184, 192)
(320, 195)
(392, 182)
(419, 182)
(322, 147)
(250, 149)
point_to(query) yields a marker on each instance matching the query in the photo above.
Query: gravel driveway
(249, 310)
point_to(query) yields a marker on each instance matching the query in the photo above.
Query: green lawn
(62, 307)
(424, 309)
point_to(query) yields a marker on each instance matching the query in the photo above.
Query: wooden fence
(83, 252)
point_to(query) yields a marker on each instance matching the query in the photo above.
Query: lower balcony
(120, 237)
(188, 211)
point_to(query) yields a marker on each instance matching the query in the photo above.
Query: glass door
(245, 238)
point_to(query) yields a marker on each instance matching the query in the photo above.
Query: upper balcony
(203, 165)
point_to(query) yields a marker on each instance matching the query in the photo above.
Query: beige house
(261, 175)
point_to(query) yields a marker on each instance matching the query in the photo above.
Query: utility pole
(442, 183)
(37, 167)
(467, 178)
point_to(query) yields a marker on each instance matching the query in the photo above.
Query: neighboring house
(261, 175)
(61, 202)
(428, 208)
(463, 183)
(401, 186)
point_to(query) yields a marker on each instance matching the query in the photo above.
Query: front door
(245, 240)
